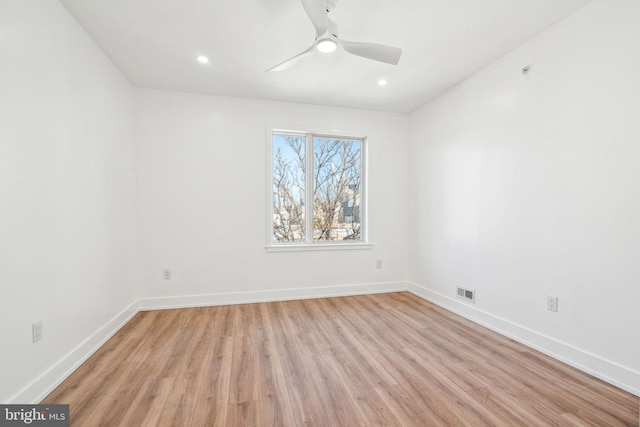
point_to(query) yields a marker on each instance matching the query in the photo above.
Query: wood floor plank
(157, 398)
(372, 409)
(366, 356)
(372, 360)
(334, 398)
(272, 392)
(306, 402)
(284, 338)
(243, 370)
(407, 408)
(245, 414)
(212, 390)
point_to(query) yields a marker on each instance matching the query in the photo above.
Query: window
(317, 195)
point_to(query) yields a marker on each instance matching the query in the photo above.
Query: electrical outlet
(36, 331)
(552, 303)
(379, 263)
(166, 274)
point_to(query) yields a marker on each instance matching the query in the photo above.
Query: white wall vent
(467, 294)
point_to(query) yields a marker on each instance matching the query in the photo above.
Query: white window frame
(310, 244)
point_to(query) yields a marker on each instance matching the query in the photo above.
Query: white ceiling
(155, 43)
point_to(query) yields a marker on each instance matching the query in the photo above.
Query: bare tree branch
(336, 189)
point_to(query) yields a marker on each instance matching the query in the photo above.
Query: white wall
(203, 202)
(67, 192)
(528, 186)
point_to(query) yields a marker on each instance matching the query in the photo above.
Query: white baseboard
(44, 384)
(248, 297)
(609, 371)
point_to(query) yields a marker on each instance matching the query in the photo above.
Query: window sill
(319, 247)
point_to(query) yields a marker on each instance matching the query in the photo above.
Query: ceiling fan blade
(377, 52)
(293, 61)
(317, 12)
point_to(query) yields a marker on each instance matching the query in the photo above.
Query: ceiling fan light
(326, 45)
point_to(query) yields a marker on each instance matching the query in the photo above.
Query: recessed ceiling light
(202, 59)
(382, 82)
(326, 45)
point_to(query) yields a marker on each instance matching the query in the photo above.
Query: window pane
(336, 189)
(288, 188)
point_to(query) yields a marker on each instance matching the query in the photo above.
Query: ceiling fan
(327, 38)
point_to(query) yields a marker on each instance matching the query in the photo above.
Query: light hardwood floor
(387, 359)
